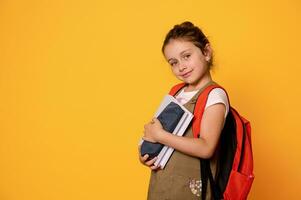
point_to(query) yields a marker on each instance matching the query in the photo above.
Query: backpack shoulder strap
(200, 107)
(176, 88)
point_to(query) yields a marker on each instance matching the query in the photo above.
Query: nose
(182, 67)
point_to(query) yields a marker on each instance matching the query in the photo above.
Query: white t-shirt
(217, 95)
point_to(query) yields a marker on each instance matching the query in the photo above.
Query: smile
(186, 74)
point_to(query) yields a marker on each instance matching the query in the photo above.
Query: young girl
(189, 54)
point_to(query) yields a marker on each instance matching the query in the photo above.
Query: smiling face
(188, 63)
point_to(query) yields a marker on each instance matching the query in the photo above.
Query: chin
(190, 81)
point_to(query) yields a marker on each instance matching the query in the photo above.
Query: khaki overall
(172, 183)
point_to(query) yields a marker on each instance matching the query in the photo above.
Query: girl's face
(187, 61)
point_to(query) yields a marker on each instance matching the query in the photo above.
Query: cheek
(174, 71)
(192, 63)
(200, 65)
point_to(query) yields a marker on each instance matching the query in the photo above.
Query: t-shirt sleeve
(218, 95)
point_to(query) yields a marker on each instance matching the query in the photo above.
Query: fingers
(151, 165)
(150, 162)
(155, 119)
(148, 139)
(155, 167)
(144, 158)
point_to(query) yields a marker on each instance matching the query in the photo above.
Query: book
(179, 130)
(169, 119)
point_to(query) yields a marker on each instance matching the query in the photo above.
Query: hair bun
(183, 28)
(187, 24)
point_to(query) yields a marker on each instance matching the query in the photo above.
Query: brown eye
(187, 56)
(173, 63)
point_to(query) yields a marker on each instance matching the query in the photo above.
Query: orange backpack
(234, 179)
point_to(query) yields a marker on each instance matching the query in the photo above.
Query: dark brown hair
(189, 32)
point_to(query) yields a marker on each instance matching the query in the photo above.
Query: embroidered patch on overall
(195, 187)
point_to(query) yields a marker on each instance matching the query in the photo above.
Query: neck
(199, 84)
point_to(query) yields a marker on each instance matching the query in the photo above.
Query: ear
(207, 52)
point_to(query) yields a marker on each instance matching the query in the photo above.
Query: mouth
(186, 74)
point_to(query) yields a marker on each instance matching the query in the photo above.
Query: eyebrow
(180, 54)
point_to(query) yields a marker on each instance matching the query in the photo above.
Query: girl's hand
(149, 163)
(153, 131)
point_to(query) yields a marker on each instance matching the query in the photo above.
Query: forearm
(192, 146)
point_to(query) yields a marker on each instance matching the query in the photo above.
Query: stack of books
(179, 130)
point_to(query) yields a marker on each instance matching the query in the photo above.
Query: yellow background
(79, 79)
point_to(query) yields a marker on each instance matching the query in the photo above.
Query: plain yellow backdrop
(79, 79)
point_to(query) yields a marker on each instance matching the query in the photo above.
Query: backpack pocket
(238, 186)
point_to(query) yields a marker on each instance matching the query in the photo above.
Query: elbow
(206, 153)
(206, 150)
